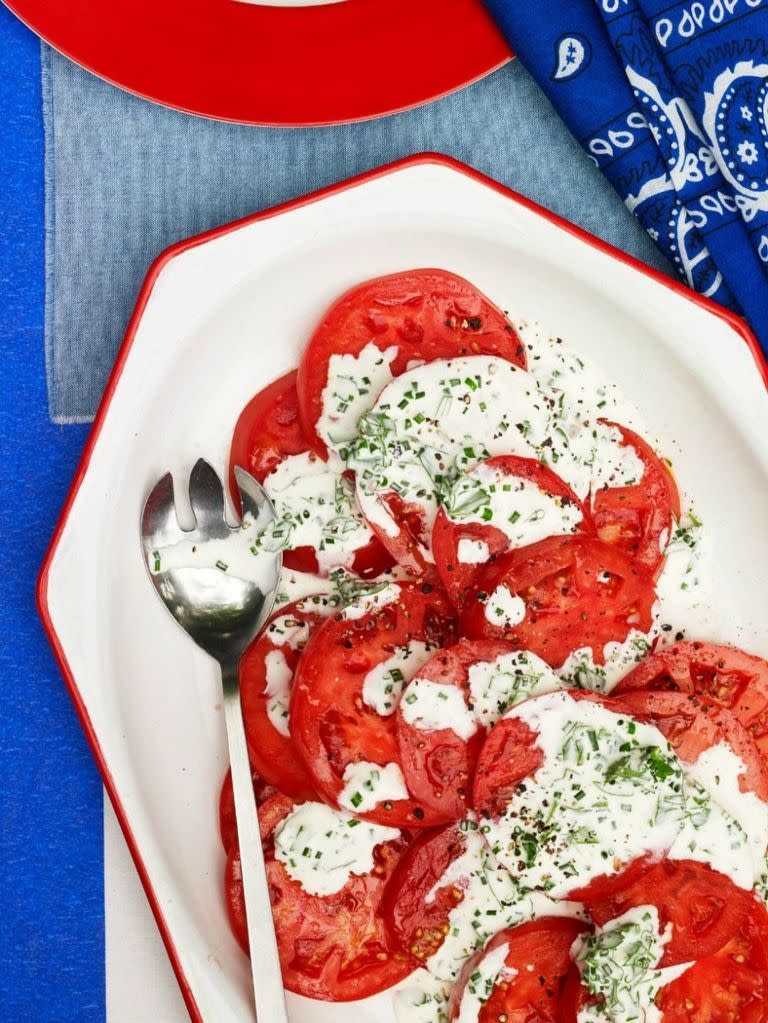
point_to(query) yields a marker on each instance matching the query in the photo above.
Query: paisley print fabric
(670, 100)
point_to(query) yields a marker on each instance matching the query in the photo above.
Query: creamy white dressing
(327, 595)
(504, 609)
(512, 504)
(685, 586)
(584, 452)
(619, 963)
(711, 836)
(431, 706)
(366, 785)
(235, 557)
(608, 791)
(286, 630)
(353, 384)
(433, 423)
(314, 507)
(497, 685)
(473, 552)
(383, 684)
(423, 999)
(321, 848)
(490, 971)
(383, 596)
(745, 821)
(278, 691)
(492, 900)
(580, 670)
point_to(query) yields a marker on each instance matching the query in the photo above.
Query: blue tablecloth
(51, 917)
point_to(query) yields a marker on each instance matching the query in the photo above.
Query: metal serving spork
(221, 594)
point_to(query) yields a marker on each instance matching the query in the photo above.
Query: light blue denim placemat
(126, 178)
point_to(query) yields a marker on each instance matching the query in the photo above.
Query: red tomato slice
(333, 947)
(269, 431)
(636, 518)
(419, 926)
(457, 576)
(576, 591)
(704, 907)
(331, 724)
(425, 314)
(540, 954)
(439, 766)
(227, 819)
(693, 724)
(731, 985)
(274, 754)
(730, 677)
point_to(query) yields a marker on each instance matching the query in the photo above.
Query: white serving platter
(222, 315)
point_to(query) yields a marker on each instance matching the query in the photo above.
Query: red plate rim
(154, 272)
(266, 65)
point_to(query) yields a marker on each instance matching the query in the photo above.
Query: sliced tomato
(638, 518)
(438, 766)
(573, 591)
(407, 545)
(704, 907)
(417, 919)
(729, 986)
(277, 649)
(267, 432)
(424, 314)
(693, 724)
(734, 679)
(333, 947)
(509, 754)
(331, 725)
(535, 968)
(227, 819)
(458, 576)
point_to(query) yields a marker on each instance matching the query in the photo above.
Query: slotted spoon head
(217, 590)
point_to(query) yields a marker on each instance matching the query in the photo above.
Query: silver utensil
(221, 596)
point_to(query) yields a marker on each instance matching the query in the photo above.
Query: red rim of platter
(735, 322)
(275, 65)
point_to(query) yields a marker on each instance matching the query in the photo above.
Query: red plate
(276, 65)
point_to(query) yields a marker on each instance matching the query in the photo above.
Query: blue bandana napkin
(670, 100)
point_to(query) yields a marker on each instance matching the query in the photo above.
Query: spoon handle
(268, 991)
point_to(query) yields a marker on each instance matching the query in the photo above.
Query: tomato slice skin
(459, 577)
(331, 725)
(333, 947)
(426, 314)
(227, 819)
(273, 755)
(727, 675)
(267, 432)
(439, 766)
(567, 606)
(416, 925)
(635, 518)
(540, 953)
(731, 985)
